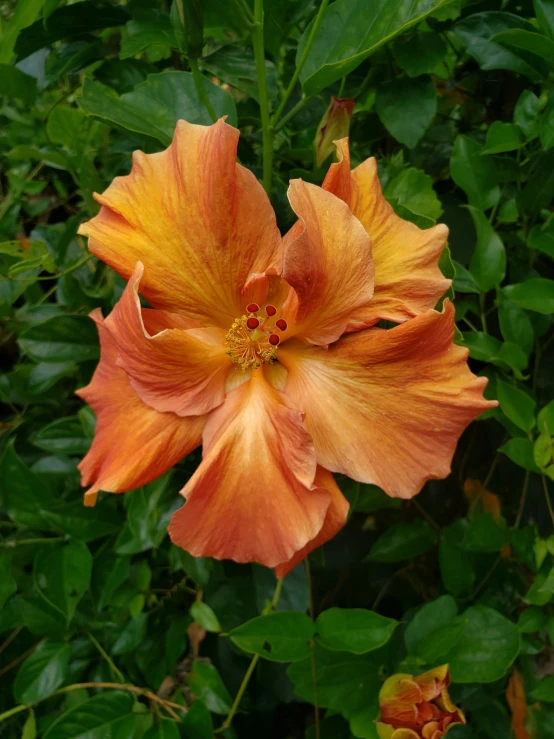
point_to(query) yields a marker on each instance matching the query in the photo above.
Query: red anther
(271, 310)
(252, 308)
(274, 340)
(252, 322)
(281, 324)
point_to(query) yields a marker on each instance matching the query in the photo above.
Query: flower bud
(334, 125)
(417, 707)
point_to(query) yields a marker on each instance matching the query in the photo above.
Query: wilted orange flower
(417, 707)
(243, 350)
(334, 125)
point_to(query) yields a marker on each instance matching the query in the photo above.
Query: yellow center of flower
(251, 341)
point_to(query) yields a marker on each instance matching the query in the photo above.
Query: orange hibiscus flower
(244, 349)
(417, 707)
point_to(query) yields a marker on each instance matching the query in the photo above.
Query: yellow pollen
(249, 348)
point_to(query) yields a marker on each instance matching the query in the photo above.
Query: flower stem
(292, 112)
(302, 61)
(107, 657)
(199, 84)
(267, 131)
(271, 606)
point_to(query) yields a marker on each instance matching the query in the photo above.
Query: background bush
(455, 99)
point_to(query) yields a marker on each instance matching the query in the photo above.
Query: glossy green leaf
(544, 10)
(520, 451)
(413, 189)
(403, 541)
(475, 173)
(16, 84)
(545, 419)
(352, 30)
(24, 14)
(456, 566)
(503, 137)
(197, 722)
(488, 261)
(542, 240)
(486, 533)
(8, 585)
(42, 672)
(203, 614)
(237, 67)
(79, 18)
(539, 188)
(206, 684)
(24, 495)
(526, 113)
(353, 630)
(536, 294)
(106, 714)
(62, 436)
(280, 637)
(62, 575)
(406, 108)
(544, 691)
(428, 619)
(516, 325)
(518, 40)
(517, 405)
(154, 107)
(487, 647)
(62, 339)
(140, 34)
(420, 53)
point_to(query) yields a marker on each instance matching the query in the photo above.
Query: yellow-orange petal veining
(199, 222)
(176, 370)
(408, 280)
(328, 264)
(335, 518)
(387, 406)
(253, 496)
(133, 444)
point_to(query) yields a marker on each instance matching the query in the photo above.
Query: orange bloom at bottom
(417, 707)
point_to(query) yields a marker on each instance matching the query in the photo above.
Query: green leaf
(517, 405)
(526, 113)
(353, 630)
(105, 715)
(131, 636)
(456, 566)
(61, 339)
(203, 614)
(346, 682)
(477, 30)
(547, 127)
(428, 619)
(164, 728)
(197, 722)
(485, 533)
(531, 620)
(539, 189)
(515, 324)
(149, 511)
(280, 637)
(62, 575)
(237, 67)
(8, 585)
(23, 15)
(352, 30)
(520, 451)
(79, 18)
(518, 40)
(154, 107)
(65, 125)
(24, 495)
(538, 594)
(544, 10)
(543, 450)
(464, 281)
(545, 419)
(420, 53)
(542, 240)
(45, 375)
(536, 294)
(30, 727)
(84, 523)
(475, 173)
(544, 691)
(64, 436)
(413, 189)
(42, 672)
(503, 137)
(488, 261)
(403, 541)
(407, 107)
(206, 684)
(487, 647)
(140, 34)
(16, 84)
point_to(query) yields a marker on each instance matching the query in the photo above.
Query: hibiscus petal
(133, 443)
(200, 223)
(253, 498)
(328, 264)
(176, 370)
(387, 407)
(408, 280)
(335, 518)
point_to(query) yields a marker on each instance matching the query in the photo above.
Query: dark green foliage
(455, 99)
